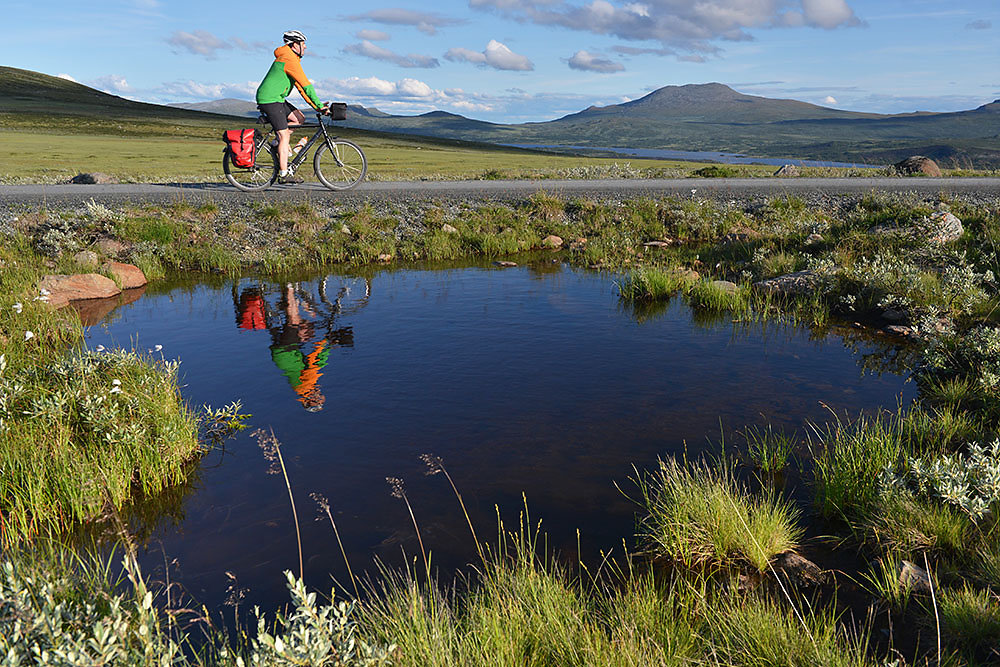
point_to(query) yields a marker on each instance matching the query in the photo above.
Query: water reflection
(532, 379)
(302, 328)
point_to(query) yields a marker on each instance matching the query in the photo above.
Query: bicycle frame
(295, 163)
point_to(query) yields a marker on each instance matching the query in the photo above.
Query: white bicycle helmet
(293, 36)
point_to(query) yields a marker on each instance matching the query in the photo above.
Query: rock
(914, 577)
(917, 165)
(384, 257)
(800, 282)
(578, 244)
(900, 330)
(726, 286)
(552, 241)
(690, 274)
(505, 264)
(944, 227)
(86, 259)
(63, 289)
(813, 239)
(893, 315)
(799, 570)
(787, 171)
(130, 276)
(448, 229)
(95, 178)
(110, 247)
(656, 244)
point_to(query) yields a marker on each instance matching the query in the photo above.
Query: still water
(532, 380)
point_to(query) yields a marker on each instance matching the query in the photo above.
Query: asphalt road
(21, 196)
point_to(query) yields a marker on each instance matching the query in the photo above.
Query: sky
(522, 60)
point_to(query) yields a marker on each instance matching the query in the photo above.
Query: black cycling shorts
(277, 113)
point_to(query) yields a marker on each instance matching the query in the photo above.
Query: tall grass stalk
(324, 505)
(434, 466)
(398, 490)
(271, 447)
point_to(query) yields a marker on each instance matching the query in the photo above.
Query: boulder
(505, 265)
(385, 257)
(799, 570)
(914, 577)
(578, 244)
(95, 178)
(800, 282)
(448, 229)
(656, 244)
(893, 315)
(787, 171)
(128, 275)
(943, 227)
(110, 247)
(813, 239)
(63, 289)
(901, 331)
(552, 241)
(86, 258)
(726, 286)
(917, 165)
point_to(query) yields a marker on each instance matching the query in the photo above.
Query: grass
(970, 621)
(769, 449)
(701, 515)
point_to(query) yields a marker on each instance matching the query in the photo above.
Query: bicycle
(339, 164)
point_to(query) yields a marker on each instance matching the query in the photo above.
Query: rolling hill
(694, 117)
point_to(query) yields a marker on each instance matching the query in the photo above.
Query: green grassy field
(195, 154)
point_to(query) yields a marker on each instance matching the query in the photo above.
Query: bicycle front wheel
(341, 168)
(258, 177)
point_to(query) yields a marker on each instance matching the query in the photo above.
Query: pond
(531, 380)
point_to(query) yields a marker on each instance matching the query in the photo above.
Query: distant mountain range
(714, 117)
(695, 117)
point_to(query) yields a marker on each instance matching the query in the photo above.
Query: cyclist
(275, 88)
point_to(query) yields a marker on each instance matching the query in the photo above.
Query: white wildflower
(17, 307)
(28, 335)
(99, 348)
(116, 382)
(157, 348)
(44, 292)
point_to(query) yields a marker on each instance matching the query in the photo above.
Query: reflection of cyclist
(285, 72)
(292, 334)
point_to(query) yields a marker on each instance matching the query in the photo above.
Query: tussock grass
(970, 621)
(701, 515)
(769, 449)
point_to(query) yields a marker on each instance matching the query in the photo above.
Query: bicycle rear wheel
(260, 176)
(341, 168)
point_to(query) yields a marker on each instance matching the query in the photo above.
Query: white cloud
(375, 52)
(112, 83)
(496, 55)
(979, 24)
(589, 62)
(426, 22)
(188, 91)
(373, 35)
(683, 24)
(67, 77)
(829, 99)
(199, 42)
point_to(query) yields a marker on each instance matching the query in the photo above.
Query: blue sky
(523, 60)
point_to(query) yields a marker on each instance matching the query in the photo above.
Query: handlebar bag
(241, 143)
(338, 110)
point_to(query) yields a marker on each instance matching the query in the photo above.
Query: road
(807, 188)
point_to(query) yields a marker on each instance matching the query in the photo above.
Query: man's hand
(325, 110)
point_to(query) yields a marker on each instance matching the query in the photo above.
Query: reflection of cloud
(496, 55)
(588, 62)
(375, 52)
(426, 22)
(676, 23)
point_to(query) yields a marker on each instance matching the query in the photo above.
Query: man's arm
(294, 70)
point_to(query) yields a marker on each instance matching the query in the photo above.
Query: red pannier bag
(241, 144)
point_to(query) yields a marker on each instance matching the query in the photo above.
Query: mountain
(694, 117)
(228, 106)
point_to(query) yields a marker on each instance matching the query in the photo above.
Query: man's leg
(283, 150)
(296, 117)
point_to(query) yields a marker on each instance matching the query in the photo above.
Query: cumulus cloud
(188, 91)
(425, 22)
(636, 51)
(496, 55)
(375, 52)
(683, 24)
(979, 24)
(199, 42)
(112, 83)
(829, 99)
(67, 77)
(589, 62)
(204, 43)
(372, 35)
